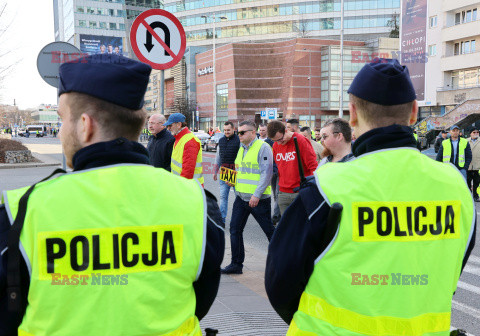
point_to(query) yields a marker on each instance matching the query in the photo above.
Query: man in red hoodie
(286, 158)
(187, 153)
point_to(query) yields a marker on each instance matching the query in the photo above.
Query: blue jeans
(276, 208)
(240, 213)
(224, 190)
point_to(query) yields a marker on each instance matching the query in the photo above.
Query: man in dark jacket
(227, 152)
(438, 142)
(458, 152)
(160, 143)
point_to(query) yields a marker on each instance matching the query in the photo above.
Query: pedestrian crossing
(472, 288)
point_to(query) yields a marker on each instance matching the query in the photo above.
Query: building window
(92, 24)
(432, 50)
(80, 9)
(466, 16)
(113, 26)
(433, 21)
(111, 12)
(465, 78)
(103, 25)
(90, 10)
(222, 97)
(122, 26)
(82, 23)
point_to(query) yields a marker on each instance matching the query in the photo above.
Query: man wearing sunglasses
(254, 166)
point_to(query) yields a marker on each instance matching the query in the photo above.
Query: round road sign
(158, 38)
(52, 56)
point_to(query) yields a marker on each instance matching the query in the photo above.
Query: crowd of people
(347, 215)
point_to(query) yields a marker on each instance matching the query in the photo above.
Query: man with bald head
(160, 143)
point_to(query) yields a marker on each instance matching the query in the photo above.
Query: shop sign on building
(205, 71)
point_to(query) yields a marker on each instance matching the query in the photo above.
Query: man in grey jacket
(472, 174)
(252, 192)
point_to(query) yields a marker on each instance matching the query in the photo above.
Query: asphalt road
(466, 301)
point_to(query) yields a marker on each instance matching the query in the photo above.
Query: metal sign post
(49, 60)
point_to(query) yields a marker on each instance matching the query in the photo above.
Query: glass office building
(244, 20)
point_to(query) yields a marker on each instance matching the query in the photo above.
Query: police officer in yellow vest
(456, 150)
(107, 249)
(187, 149)
(388, 264)
(254, 166)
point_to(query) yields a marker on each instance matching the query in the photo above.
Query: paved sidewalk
(242, 306)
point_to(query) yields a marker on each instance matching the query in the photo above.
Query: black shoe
(476, 199)
(232, 269)
(275, 220)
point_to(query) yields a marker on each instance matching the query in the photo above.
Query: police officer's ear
(414, 114)
(87, 129)
(353, 114)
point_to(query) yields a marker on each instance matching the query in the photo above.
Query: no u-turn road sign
(158, 39)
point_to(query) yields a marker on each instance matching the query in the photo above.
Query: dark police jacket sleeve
(293, 249)
(206, 286)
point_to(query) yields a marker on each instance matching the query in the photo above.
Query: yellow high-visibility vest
(112, 251)
(177, 157)
(395, 260)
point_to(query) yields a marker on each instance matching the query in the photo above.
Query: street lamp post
(214, 89)
(340, 110)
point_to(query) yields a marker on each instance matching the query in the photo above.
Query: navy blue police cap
(383, 82)
(113, 78)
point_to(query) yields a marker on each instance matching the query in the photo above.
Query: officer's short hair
(382, 115)
(293, 122)
(262, 125)
(305, 128)
(228, 123)
(115, 121)
(248, 123)
(341, 126)
(274, 127)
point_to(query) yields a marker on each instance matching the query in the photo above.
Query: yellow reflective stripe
(175, 172)
(252, 182)
(373, 325)
(293, 330)
(23, 333)
(190, 327)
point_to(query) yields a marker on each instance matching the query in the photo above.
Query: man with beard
(337, 139)
(114, 220)
(187, 150)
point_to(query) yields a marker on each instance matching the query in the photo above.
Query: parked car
(212, 143)
(202, 136)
